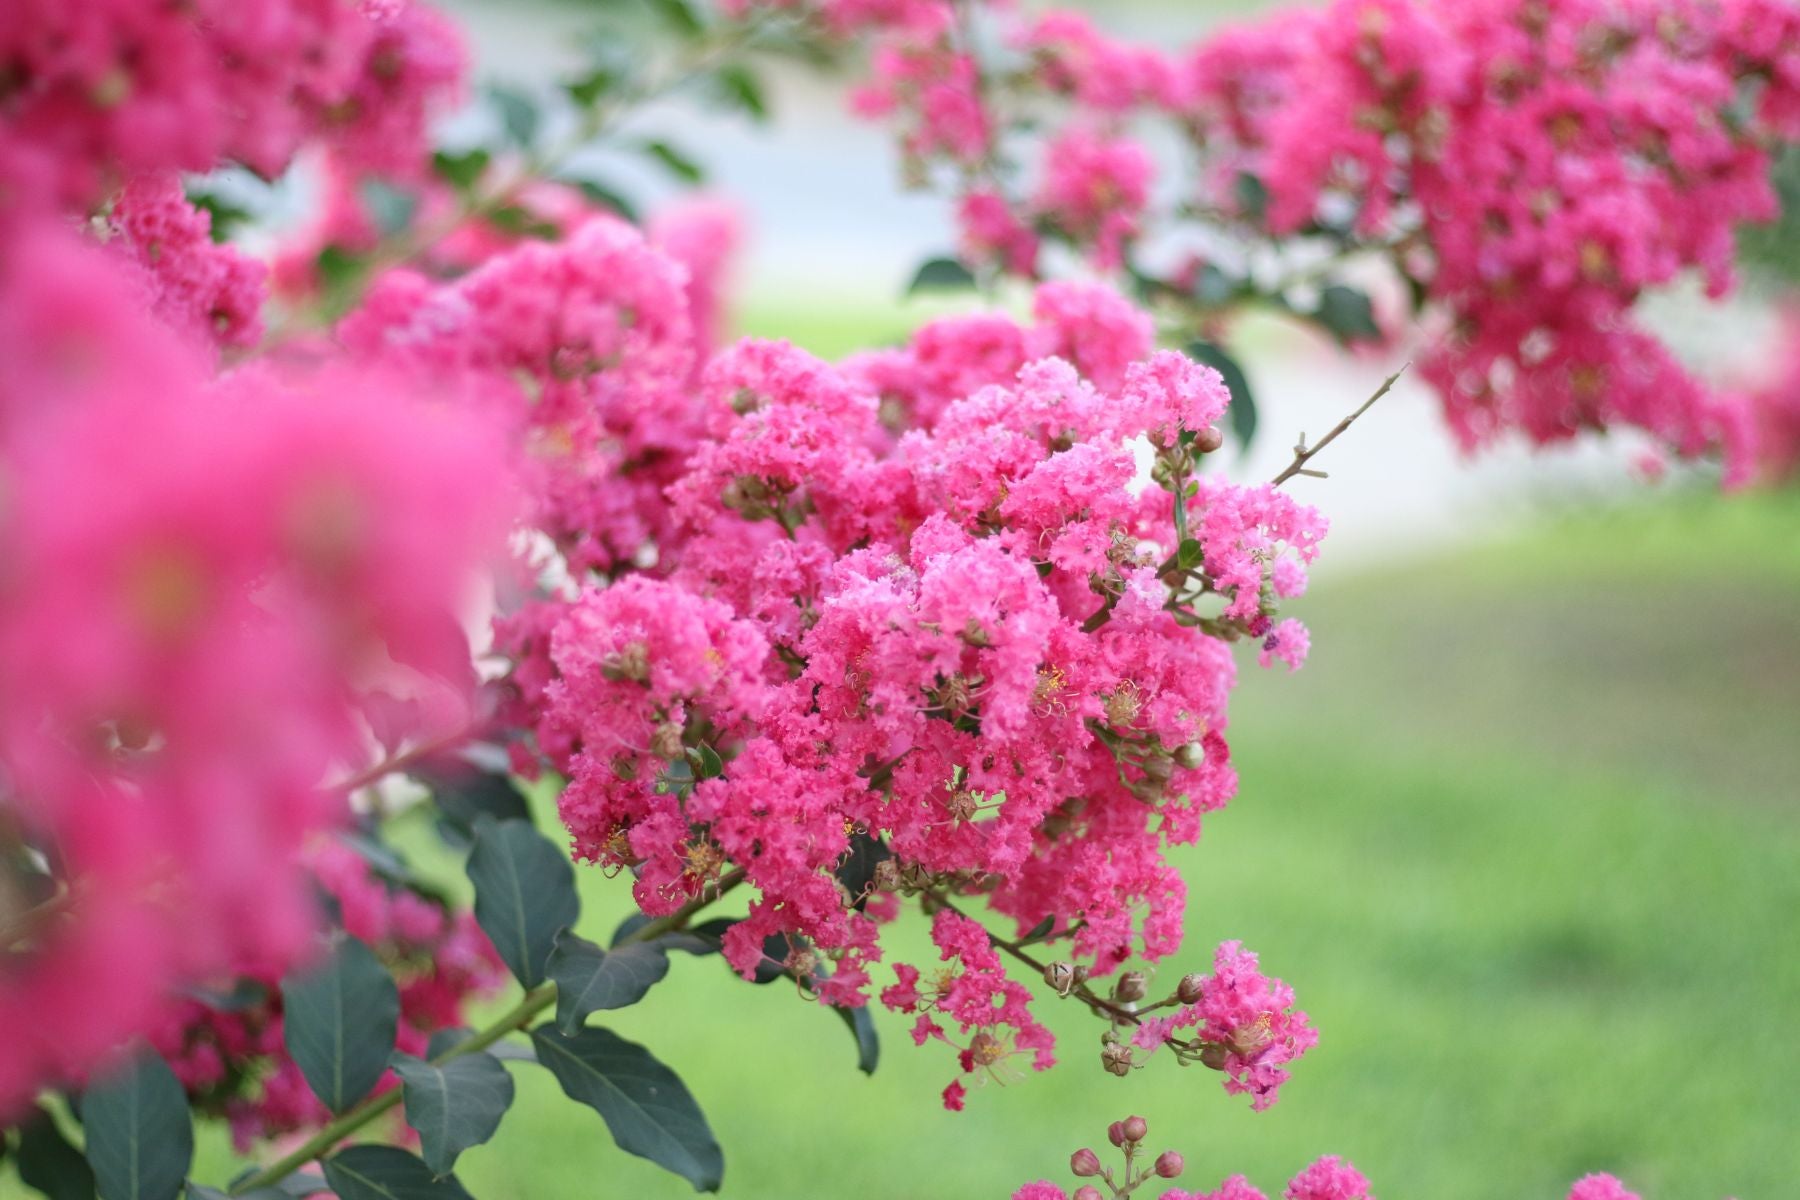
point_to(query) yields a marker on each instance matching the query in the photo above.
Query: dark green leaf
(706, 762)
(225, 216)
(702, 939)
(140, 1140)
(862, 1028)
(1189, 554)
(238, 996)
(517, 219)
(736, 86)
(47, 1162)
(386, 1173)
(674, 161)
(589, 979)
(604, 194)
(1042, 929)
(385, 861)
(461, 171)
(454, 1105)
(856, 870)
(339, 269)
(679, 16)
(1252, 197)
(645, 1105)
(518, 115)
(1348, 314)
(524, 894)
(940, 274)
(1242, 411)
(587, 89)
(339, 1020)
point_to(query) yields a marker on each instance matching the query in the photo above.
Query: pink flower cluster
(915, 599)
(231, 1056)
(1529, 168)
(206, 578)
(1246, 1026)
(209, 577)
(93, 93)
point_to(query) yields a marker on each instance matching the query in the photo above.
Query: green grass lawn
(1524, 835)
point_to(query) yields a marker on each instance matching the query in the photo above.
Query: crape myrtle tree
(455, 482)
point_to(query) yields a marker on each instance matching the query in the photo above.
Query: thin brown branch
(1303, 453)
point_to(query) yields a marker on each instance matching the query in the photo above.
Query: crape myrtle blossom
(207, 579)
(96, 92)
(913, 602)
(1527, 170)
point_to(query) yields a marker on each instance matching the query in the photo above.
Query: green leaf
(339, 1021)
(386, 862)
(140, 1140)
(679, 16)
(862, 1028)
(674, 161)
(1348, 314)
(589, 979)
(644, 1104)
(225, 216)
(386, 1173)
(518, 114)
(856, 870)
(517, 219)
(940, 274)
(602, 193)
(1189, 554)
(454, 1105)
(586, 90)
(736, 86)
(1242, 410)
(524, 894)
(461, 171)
(706, 762)
(1252, 197)
(46, 1161)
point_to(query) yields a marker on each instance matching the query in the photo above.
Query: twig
(1303, 453)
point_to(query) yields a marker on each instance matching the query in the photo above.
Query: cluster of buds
(1128, 1135)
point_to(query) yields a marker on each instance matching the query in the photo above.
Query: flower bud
(1085, 1163)
(1061, 977)
(1191, 988)
(1132, 986)
(1116, 1058)
(1191, 757)
(1169, 1164)
(1115, 1133)
(1208, 439)
(1087, 1193)
(1213, 1054)
(666, 741)
(1135, 1128)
